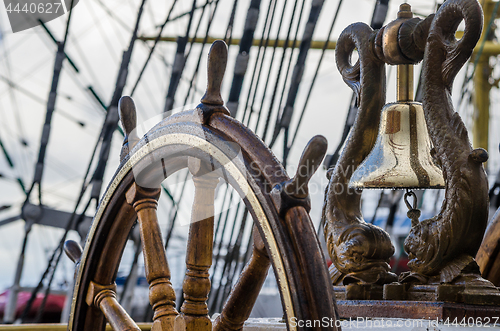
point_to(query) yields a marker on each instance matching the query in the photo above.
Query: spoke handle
(217, 60)
(309, 162)
(73, 250)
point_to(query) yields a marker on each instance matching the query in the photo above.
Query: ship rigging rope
(238, 76)
(40, 100)
(14, 102)
(11, 165)
(153, 47)
(113, 16)
(106, 130)
(60, 56)
(241, 63)
(177, 69)
(283, 55)
(37, 66)
(263, 42)
(234, 254)
(228, 36)
(269, 115)
(98, 24)
(231, 261)
(218, 243)
(88, 66)
(234, 257)
(195, 74)
(177, 201)
(230, 257)
(212, 303)
(72, 73)
(190, 89)
(178, 66)
(325, 45)
(240, 70)
(283, 121)
(271, 62)
(194, 79)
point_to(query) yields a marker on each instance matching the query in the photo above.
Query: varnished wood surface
(104, 298)
(161, 292)
(234, 314)
(488, 256)
(289, 239)
(116, 217)
(196, 286)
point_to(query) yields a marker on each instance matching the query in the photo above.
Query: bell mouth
(401, 157)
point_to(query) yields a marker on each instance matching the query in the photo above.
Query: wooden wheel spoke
(196, 286)
(244, 294)
(161, 292)
(104, 297)
(253, 174)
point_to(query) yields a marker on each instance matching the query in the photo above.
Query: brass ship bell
(401, 157)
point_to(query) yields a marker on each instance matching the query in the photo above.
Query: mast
(482, 73)
(241, 64)
(109, 126)
(10, 308)
(111, 120)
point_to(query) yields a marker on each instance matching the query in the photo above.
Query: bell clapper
(413, 212)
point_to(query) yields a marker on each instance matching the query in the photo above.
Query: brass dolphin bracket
(441, 249)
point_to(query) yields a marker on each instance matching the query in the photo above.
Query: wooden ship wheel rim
(182, 129)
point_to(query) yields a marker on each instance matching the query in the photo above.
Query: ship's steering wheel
(212, 145)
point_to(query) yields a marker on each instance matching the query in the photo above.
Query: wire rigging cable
(241, 64)
(60, 56)
(178, 66)
(271, 62)
(109, 127)
(153, 47)
(323, 50)
(275, 90)
(285, 118)
(262, 45)
(204, 42)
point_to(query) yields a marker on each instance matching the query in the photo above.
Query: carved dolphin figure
(444, 245)
(440, 249)
(359, 251)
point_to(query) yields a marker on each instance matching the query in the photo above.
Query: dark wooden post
(238, 307)
(161, 292)
(194, 311)
(104, 297)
